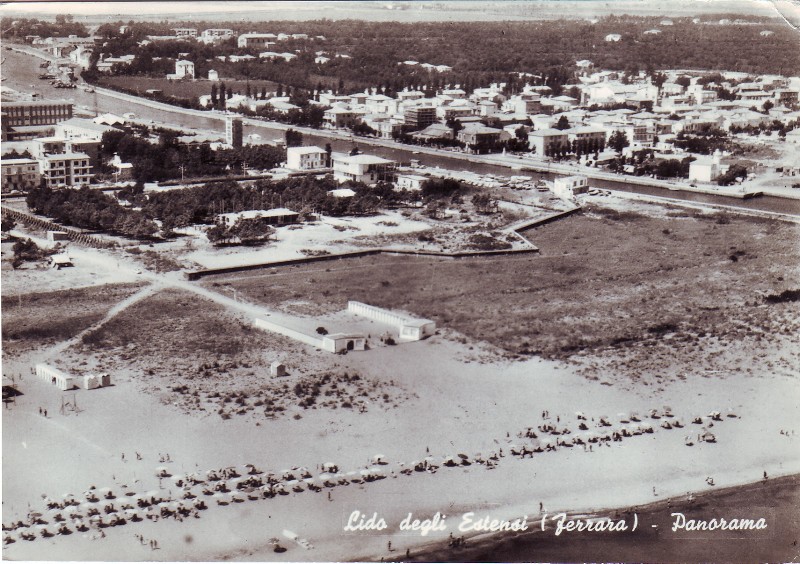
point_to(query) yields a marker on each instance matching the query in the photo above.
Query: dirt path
(112, 313)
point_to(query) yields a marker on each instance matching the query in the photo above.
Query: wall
(291, 333)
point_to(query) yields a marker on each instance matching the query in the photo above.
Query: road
(22, 75)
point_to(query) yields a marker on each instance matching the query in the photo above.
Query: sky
(397, 10)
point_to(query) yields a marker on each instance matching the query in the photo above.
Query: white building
(411, 182)
(306, 158)
(362, 168)
(410, 328)
(706, 169)
(185, 32)
(213, 75)
(183, 69)
(256, 40)
(215, 35)
(568, 187)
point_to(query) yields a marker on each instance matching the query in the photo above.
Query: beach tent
(330, 467)
(379, 459)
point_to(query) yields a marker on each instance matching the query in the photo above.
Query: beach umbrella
(580, 415)
(153, 494)
(667, 411)
(177, 477)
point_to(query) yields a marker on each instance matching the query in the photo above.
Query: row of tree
(90, 209)
(169, 159)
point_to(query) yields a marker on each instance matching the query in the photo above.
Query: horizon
(398, 11)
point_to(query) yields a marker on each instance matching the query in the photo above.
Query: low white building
(276, 216)
(410, 328)
(411, 182)
(183, 69)
(53, 375)
(306, 158)
(706, 169)
(256, 40)
(568, 187)
(362, 168)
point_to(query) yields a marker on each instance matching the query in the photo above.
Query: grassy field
(615, 290)
(194, 354)
(45, 318)
(182, 88)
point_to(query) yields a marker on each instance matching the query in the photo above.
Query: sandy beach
(445, 421)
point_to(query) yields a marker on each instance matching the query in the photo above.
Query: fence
(72, 234)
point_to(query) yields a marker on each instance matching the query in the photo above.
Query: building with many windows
(545, 141)
(362, 168)
(19, 175)
(419, 117)
(185, 32)
(29, 120)
(306, 158)
(256, 40)
(65, 169)
(215, 35)
(33, 113)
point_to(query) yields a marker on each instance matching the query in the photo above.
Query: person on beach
(765, 474)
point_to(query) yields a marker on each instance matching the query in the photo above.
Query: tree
(222, 96)
(484, 203)
(214, 101)
(439, 188)
(8, 224)
(563, 123)
(618, 141)
(328, 151)
(26, 250)
(435, 209)
(294, 138)
(455, 125)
